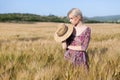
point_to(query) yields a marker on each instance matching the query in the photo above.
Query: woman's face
(74, 20)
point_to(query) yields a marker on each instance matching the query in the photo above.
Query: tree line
(20, 17)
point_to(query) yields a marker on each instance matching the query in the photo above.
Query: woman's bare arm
(76, 48)
(64, 44)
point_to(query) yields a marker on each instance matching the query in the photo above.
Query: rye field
(29, 52)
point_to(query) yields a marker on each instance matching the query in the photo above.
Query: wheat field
(29, 52)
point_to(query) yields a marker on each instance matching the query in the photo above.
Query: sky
(89, 8)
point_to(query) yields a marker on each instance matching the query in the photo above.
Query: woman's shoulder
(86, 28)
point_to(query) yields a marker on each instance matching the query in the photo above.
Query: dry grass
(29, 52)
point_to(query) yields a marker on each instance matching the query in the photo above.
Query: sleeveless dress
(77, 57)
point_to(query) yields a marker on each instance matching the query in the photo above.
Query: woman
(77, 40)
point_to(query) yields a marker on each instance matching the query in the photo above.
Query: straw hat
(63, 32)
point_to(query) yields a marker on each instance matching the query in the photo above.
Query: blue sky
(89, 8)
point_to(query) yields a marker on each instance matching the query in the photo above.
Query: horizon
(60, 16)
(60, 8)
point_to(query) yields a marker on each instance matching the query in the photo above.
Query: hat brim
(65, 36)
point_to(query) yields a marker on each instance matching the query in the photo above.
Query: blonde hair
(75, 12)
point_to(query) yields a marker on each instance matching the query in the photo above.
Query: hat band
(62, 31)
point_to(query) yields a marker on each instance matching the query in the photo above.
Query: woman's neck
(79, 24)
